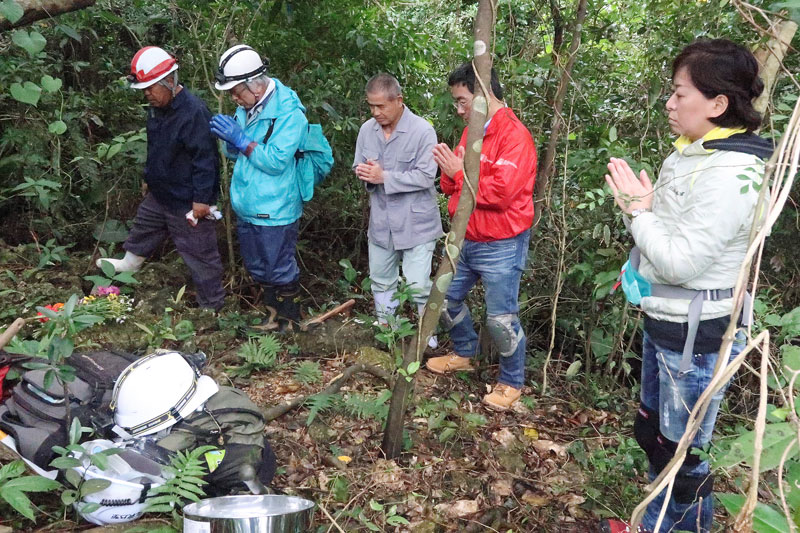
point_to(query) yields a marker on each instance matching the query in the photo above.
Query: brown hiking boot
(502, 397)
(448, 363)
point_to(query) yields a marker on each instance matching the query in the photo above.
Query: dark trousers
(196, 245)
(268, 252)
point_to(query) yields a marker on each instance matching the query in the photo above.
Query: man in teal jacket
(268, 128)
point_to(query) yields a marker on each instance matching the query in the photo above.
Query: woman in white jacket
(691, 231)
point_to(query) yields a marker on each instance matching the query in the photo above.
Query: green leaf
(114, 150)
(110, 231)
(12, 469)
(32, 42)
(126, 277)
(412, 367)
(64, 462)
(100, 281)
(90, 486)
(75, 431)
(777, 437)
(11, 10)
(375, 506)
(58, 127)
(28, 93)
(766, 518)
(32, 484)
(69, 497)
(51, 84)
(69, 31)
(573, 369)
(17, 500)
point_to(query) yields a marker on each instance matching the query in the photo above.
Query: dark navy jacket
(182, 157)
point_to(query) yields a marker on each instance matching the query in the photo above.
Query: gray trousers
(196, 245)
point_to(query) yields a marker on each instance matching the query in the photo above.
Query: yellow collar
(717, 133)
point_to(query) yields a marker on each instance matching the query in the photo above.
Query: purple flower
(105, 291)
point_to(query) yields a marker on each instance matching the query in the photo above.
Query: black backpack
(234, 425)
(37, 416)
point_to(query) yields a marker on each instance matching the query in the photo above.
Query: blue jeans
(499, 266)
(673, 397)
(268, 252)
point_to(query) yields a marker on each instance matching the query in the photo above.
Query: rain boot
(129, 263)
(270, 300)
(288, 297)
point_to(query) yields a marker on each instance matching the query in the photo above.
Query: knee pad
(689, 489)
(501, 329)
(646, 431)
(449, 319)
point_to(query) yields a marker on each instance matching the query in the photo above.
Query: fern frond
(320, 402)
(308, 372)
(184, 484)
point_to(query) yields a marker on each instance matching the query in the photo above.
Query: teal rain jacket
(264, 188)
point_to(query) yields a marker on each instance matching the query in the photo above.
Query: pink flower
(105, 291)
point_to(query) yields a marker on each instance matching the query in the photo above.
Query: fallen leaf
(545, 446)
(531, 433)
(536, 499)
(287, 387)
(501, 487)
(505, 437)
(458, 508)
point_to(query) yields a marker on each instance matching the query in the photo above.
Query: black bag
(37, 416)
(232, 423)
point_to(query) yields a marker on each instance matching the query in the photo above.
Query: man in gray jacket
(394, 159)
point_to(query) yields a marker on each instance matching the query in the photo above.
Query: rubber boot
(385, 306)
(433, 342)
(288, 298)
(270, 300)
(129, 263)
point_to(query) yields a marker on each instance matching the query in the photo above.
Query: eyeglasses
(462, 103)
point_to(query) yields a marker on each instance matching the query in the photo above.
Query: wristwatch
(636, 212)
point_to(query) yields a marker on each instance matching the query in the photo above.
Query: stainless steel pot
(248, 514)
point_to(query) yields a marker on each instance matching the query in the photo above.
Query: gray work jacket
(403, 210)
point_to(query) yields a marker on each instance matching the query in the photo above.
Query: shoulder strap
(747, 143)
(269, 131)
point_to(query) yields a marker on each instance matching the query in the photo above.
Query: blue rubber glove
(229, 131)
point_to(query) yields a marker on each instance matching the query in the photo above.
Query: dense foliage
(72, 144)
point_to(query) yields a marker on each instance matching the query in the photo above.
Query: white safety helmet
(237, 65)
(131, 476)
(150, 65)
(156, 392)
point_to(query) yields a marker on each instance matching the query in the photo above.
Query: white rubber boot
(385, 306)
(129, 263)
(433, 342)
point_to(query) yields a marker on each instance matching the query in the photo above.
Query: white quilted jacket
(697, 233)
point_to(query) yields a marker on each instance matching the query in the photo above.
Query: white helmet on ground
(156, 392)
(237, 65)
(150, 65)
(130, 476)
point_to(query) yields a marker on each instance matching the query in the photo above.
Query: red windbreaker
(505, 193)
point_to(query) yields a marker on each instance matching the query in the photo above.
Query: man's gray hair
(259, 81)
(384, 83)
(171, 86)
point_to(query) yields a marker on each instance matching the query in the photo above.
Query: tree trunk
(41, 9)
(770, 57)
(484, 26)
(545, 169)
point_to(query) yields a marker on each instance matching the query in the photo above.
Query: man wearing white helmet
(182, 176)
(263, 137)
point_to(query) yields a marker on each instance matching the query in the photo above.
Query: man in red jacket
(496, 244)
